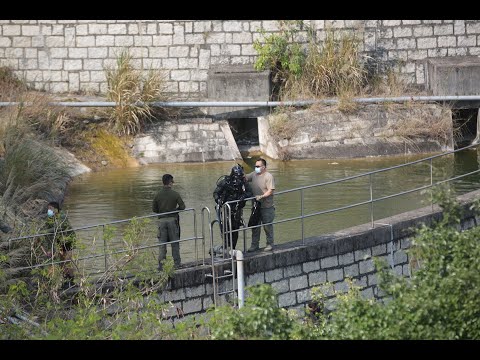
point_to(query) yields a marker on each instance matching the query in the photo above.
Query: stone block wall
(70, 55)
(192, 140)
(372, 130)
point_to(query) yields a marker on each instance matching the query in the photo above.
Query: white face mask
(258, 170)
(50, 212)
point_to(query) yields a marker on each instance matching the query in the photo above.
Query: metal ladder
(218, 261)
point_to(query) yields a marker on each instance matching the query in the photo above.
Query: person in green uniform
(168, 200)
(60, 239)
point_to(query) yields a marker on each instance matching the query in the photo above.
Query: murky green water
(120, 194)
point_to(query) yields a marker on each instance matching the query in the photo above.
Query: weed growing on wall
(132, 90)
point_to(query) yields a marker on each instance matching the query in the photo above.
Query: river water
(125, 193)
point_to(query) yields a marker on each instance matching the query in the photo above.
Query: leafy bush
(333, 67)
(260, 318)
(281, 54)
(441, 300)
(9, 81)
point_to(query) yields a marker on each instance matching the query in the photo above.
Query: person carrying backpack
(230, 188)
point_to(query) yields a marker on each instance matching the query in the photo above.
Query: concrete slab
(238, 83)
(453, 75)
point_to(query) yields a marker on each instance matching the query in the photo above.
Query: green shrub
(281, 54)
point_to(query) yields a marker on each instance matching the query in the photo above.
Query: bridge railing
(366, 180)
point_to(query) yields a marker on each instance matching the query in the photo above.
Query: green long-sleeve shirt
(167, 200)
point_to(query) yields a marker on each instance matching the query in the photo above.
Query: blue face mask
(50, 212)
(258, 170)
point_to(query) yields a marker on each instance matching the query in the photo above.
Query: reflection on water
(124, 193)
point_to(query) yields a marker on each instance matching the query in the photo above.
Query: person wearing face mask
(263, 186)
(230, 188)
(60, 240)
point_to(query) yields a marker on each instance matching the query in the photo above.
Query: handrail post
(303, 213)
(214, 285)
(104, 247)
(227, 237)
(431, 183)
(203, 231)
(371, 200)
(194, 232)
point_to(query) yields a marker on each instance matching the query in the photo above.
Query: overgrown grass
(10, 83)
(106, 305)
(332, 67)
(34, 113)
(31, 170)
(132, 91)
(31, 174)
(420, 122)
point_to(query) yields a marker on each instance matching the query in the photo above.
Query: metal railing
(109, 244)
(207, 223)
(372, 200)
(307, 102)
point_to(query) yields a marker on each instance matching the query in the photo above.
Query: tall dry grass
(30, 170)
(334, 67)
(34, 114)
(416, 121)
(132, 90)
(31, 174)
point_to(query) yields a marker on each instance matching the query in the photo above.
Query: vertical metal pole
(431, 183)
(214, 279)
(244, 238)
(203, 234)
(393, 245)
(104, 247)
(234, 276)
(240, 282)
(228, 231)
(203, 231)
(371, 200)
(302, 213)
(194, 232)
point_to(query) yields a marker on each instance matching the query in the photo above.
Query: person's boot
(253, 248)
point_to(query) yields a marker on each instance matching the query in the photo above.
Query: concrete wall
(70, 55)
(293, 269)
(238, 83)
(312, 134)
(192, 140)
(454, 76)
(373, 130)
